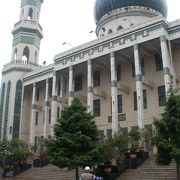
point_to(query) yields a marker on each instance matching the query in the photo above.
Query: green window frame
(161, 95)
(97, 107)
(96, 78)
(37, 118)
(49, 116)
(78, 83)
(2, 106)
(120, 108)
(6, 110)
(135, 100)
(145, 98)
(17, 110)
(158, 62)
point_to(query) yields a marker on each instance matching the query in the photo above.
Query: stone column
(61, 92)
(54, 104)
(114, 94)
(71, 85)
(166, 63)
(140, 113)
(46, 110)
(33, 115)
(90, 87)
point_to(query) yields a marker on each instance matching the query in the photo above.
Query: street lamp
(64, 43)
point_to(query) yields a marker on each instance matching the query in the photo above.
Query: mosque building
(122, 77)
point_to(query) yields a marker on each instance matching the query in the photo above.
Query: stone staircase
(150, 171)
(48, 172)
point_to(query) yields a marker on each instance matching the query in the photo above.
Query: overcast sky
(62, 21)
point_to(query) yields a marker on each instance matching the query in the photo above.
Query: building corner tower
(27, 34)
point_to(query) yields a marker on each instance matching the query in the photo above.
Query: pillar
(166, 63)
(46, 109)
(114, 94)
(90, 87)
(71, 86)
(33, 115)
(54, 104)
(138, 75)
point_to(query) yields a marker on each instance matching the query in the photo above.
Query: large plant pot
(108, 170)
(133, 155)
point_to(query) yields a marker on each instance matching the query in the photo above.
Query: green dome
(103, 7)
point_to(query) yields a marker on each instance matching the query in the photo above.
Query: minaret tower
(27, 34)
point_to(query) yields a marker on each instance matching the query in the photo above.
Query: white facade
(123, 76)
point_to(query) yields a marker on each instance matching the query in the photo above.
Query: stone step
(150, 171)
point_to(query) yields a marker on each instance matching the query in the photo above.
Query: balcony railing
(17, 61)
(28, 22)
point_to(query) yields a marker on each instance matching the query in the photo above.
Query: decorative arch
(15, 54)
(35, 56)
(26, 54)
(17, 110)
(6, 110)
(2, 106)
(30, 14)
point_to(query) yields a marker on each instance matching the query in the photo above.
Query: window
(26, 54)
(17, 109)
(49, 116)
(35, 143)
(124, 131)
(109, 133)
(101, 135)
(36, 119)
(30, 14)
(10, 130)
(59, 87)
(161, 95)
(158, 61)
(65, 86)
(119, 72)
(43, 116)
(2, 106)
(96, 78)
(78, 83)
(119, 28)
(110, 31)
(6, 110)
(145, 99)
(50, 90)
(135, 100)
(96, 107)
(142, 67)
(58, 112)
(119, 103)
(15, 54)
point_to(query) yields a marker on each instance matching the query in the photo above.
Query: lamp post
(64, 43)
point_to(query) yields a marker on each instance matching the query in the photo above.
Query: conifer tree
(75, 139)
(167, 134)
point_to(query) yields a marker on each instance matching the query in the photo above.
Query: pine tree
(167, 135)
(75, 139)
